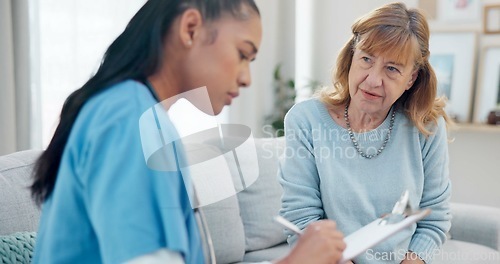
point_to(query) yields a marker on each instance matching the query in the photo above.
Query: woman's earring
(189, 43)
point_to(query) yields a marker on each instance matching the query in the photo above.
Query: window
(72, 38)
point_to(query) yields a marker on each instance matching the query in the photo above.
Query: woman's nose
(374, 78)
(245, 78)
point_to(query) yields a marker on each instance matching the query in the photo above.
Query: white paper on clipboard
(373, 233)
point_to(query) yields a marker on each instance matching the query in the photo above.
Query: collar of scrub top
(208, 247)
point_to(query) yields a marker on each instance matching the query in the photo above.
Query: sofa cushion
(226, 230)
(261, 201)
(476, 224)
(458, 252)
(18, 212)
(222, 217)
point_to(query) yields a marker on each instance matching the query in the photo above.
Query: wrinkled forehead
(398, 47)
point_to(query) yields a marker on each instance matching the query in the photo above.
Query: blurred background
(52, 47)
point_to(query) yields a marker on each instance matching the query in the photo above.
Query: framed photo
(491, 19)
(459, 10)
(453, 56)
(488, 93)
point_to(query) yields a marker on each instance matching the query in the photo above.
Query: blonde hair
(393, 30)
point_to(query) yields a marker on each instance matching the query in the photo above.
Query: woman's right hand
(320, 243)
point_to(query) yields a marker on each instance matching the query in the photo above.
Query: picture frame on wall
(488, 87)
(491, 19)
(453, 58)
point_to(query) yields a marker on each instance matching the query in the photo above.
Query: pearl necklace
(355, 142)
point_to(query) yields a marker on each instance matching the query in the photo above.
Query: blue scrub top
(107, 206)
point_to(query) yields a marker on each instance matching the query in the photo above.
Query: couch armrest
(476, 224)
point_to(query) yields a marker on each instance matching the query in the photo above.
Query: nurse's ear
(189, 27)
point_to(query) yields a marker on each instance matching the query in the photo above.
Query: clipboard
(374, 233)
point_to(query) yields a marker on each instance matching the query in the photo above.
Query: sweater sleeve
(431, 231)
(298, 175)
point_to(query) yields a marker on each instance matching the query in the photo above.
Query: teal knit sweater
(324, 177)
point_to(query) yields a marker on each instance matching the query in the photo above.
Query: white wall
(474, 165)
(256, 101)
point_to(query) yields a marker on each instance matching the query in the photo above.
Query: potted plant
(284, 99)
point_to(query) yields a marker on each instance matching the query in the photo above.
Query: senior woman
(352, 150)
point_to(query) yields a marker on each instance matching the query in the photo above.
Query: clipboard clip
(400, 211)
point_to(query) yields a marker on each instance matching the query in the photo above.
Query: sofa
(241, 226)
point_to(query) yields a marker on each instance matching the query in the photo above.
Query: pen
(282, 221)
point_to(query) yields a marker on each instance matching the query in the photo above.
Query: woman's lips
(233, 94)
(369, 95)
(230, 97)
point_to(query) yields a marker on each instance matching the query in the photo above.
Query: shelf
(471, 127)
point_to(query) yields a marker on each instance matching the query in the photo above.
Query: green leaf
(291, 84)
(277, 74)
(278, 125)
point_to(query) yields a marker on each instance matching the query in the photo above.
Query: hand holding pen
(320, 242)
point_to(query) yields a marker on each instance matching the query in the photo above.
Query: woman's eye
(393, 69)
(242, 56)
(366, 59)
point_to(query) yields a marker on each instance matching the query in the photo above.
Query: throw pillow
(19, 212)
(17, 248)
